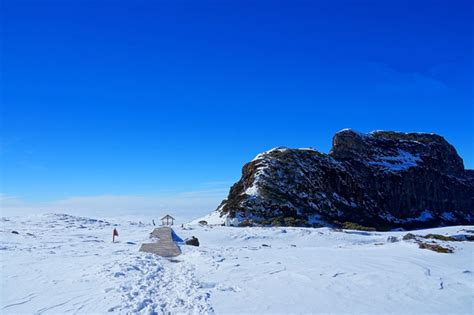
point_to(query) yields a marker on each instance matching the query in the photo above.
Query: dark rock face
(382, 179)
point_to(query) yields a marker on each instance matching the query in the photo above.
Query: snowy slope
(68, 264)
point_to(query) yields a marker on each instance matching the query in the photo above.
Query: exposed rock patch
(378, 180)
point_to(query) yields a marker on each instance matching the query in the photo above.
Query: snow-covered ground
(61, 264)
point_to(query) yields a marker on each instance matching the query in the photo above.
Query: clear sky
(108, 103)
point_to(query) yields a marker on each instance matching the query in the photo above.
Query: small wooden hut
(167, 220)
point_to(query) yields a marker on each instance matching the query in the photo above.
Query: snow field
(68, 264)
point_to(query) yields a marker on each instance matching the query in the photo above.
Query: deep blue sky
(145, 97)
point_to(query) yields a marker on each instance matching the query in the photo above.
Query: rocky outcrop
(382, 179)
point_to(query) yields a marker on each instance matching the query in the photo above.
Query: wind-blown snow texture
(60, 264)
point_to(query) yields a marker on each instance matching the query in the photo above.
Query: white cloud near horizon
(184, 206)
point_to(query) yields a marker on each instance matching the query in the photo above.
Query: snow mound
(213, 218)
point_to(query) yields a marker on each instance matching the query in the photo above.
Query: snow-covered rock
(382, 179)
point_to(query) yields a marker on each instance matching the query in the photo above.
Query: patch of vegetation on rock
(356, 226)
(277, 221)
(287, 221)
(435, 247)
(265, 222)
(246, 223)
(440, 237)
(409, 236)
(290, 221)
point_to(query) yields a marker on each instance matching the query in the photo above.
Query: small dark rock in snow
(265, 245)
(392, 239)
(15, 232)
(193, 241)
(469, 238)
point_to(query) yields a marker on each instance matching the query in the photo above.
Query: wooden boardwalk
(165, 246)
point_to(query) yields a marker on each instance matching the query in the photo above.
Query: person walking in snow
(114, 234)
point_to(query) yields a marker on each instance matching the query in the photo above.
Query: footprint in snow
(132, 268)
(229, 289)
(207, 285)
(93, 241)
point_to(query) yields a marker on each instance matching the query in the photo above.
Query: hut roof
(167, 217)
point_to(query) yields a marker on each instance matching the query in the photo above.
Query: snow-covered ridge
(278, 149)
(263, 154)
(402, 132)
(361, 134)
(370, 133)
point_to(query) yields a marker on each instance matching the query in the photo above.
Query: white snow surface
(262, 155)
(279, 149)
(404, 160)
(68, 264)
(213, 218)
(424, 216)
